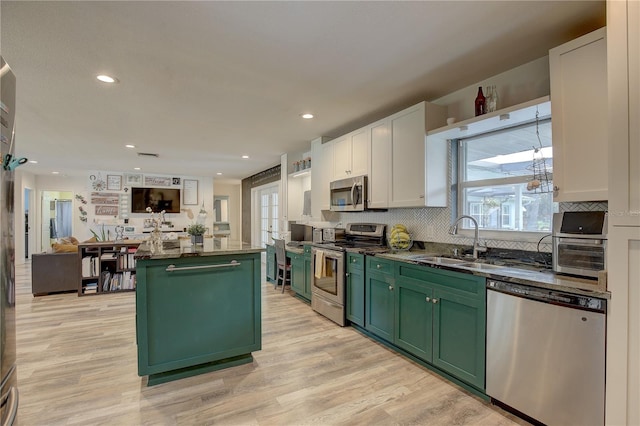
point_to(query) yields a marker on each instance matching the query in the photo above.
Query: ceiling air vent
(148, 154)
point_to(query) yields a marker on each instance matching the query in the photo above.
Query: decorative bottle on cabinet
(480, 103)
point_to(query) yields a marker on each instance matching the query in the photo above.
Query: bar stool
(284, 267)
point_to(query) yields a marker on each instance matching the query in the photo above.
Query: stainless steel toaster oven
(580, 243)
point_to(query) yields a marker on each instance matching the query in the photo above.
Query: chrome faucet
(453, 230)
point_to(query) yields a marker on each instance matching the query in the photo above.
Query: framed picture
(132, 179)
(157, 181)
(190, 192)
(106, 210)
(114, 182)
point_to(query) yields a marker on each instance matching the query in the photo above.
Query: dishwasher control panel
(549, 296)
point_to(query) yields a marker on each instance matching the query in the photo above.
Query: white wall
(24, 180)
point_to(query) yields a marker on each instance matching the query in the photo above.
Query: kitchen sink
(439, 260)
(480, 266)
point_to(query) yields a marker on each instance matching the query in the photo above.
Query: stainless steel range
(328, 267)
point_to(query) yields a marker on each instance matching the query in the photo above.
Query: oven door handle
(329, 254)
(581, 241)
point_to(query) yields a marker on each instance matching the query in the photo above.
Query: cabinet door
(355, 289)
(578, 76)
(380, 174)
(379, 307)
(321, 176)
(271, 262)
(418, 169)
(341, 157)
(459, 335)
(360, 141)
(297, 274)
(623, 70)
(307, 277)
(413, 327)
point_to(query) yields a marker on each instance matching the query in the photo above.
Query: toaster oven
(580, 243)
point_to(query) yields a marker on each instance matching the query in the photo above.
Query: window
(494, 170)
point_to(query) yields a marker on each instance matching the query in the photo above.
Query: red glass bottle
(481, 103)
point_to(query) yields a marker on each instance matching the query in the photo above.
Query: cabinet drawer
(463, 282)
(383, 266)
(355, 261)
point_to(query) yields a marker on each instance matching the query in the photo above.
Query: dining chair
(284, 267)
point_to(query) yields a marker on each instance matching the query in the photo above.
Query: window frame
(462, 185)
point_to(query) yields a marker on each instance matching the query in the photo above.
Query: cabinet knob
(390, 288)
(378, 266)
(353, 260)
(434, 300)
(428, 299)
(347, 275)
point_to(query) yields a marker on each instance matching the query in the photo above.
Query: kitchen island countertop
(176, 249)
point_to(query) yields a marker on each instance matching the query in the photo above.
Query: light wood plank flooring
(77, 365)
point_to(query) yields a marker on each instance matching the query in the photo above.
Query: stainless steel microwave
(348, 195)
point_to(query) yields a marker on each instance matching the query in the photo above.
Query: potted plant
(196, 231)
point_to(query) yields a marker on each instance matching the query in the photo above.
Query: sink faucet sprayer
(453, 230)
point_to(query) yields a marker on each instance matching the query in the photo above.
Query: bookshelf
(107, 267)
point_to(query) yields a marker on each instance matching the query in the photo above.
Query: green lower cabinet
(196, 314)
(355, 289)
(298, 276)
(271, 262)
(379, 307)
(301, 273)
(436, 315)
(414, 320)
(459, 336)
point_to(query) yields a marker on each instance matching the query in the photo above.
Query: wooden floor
(77, 365)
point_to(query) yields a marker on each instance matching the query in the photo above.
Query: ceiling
(203, 83)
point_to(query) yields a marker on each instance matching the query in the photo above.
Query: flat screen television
(167, 199)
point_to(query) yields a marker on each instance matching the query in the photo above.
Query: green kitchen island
(198, 308)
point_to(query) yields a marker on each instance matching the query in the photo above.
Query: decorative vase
(197, 240)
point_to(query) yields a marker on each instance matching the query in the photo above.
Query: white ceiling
(203, 83)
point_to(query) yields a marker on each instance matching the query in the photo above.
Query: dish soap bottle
(480, 103)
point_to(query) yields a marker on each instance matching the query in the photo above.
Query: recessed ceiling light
(106, 78)
(219, 174)
(307, 115)
(33, 161)
(55, 173)
(245, 156)
(130, 146)
(136, 168)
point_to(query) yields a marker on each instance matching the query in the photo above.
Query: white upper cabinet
(321, 175)
(623, 62)
(351, 154)
(579, 109)
(405, 169)
(380, 175)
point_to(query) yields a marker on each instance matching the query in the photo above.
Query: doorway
(57, 217)
(264, 208)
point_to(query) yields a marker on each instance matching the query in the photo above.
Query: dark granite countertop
(536, 277)
(175, 249)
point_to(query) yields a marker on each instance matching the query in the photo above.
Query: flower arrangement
(196, 229)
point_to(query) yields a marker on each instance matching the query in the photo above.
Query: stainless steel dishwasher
(546, 353)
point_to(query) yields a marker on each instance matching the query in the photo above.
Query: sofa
(54, 272)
